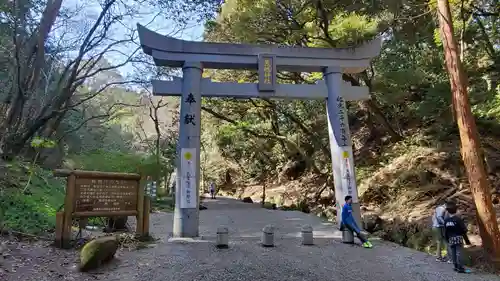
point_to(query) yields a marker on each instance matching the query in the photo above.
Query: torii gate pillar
(340, 144)
(186, 214)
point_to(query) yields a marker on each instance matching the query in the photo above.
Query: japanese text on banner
(188, 179)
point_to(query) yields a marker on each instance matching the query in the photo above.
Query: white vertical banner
(337, 171)
(345, 154)
(348, 175)
(188, 178)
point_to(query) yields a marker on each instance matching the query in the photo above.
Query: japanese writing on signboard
(189, 118)
(267, 70)
(105, 195)
(342, 121)
(267, 73)
(347, 173)
(188, 175)
(188, 189)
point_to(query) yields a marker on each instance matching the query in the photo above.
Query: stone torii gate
(192, 57)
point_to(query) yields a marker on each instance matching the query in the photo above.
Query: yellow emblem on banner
(188, 155)
(345, 154)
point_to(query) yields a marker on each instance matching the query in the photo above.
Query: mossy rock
(97, 252)
(247, 200)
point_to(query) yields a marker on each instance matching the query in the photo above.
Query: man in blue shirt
(349, 222)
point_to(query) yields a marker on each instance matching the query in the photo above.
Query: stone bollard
(222, 238)
(307, 235)
(268, 236)
(347, 236)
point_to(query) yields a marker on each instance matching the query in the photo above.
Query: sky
(70, 29)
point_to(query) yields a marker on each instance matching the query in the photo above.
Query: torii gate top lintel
(168, 51)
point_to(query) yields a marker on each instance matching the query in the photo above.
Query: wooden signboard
(100, 194)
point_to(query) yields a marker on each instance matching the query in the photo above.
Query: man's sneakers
(367, 244)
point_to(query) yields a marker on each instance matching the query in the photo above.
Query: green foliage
(165, 204)
(408, 83)
(347, 29)
(39, 142)
(111, 161)
(30, 212)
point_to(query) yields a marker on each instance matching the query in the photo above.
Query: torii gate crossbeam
(250, 90)
(267, 59)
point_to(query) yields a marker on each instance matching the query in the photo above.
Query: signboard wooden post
(100, 194)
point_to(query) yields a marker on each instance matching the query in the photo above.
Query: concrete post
(340, 144)
(268, 236)
(186, 213)
(222, 238)
(307, 235)
(347, 236)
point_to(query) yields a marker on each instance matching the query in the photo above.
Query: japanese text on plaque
(267, 71)
(105, 195)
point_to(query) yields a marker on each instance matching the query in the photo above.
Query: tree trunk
(470, 145)
(369, 119)
(263, 192)
(374, 108)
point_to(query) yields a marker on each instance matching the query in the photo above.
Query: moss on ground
(29, 208)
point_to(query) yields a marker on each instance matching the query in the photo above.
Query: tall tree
(470, 145)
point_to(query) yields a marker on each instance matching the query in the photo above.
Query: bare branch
(109, 113)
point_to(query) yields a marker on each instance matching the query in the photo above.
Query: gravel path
(246, 260)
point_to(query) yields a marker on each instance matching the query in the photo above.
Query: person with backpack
(456, 234)
(349, 222)
(438, 218)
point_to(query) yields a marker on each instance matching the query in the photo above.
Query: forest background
(75, 93)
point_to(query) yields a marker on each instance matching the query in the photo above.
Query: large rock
(371, 223)
(97, 252)
(247, 200)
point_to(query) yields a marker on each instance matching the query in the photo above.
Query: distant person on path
(349, 222)
(438, 218)
(212, 190)
(456, 233)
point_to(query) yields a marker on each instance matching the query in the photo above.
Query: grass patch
(34, 210)
(164, 204)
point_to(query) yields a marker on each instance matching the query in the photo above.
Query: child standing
(456, 234)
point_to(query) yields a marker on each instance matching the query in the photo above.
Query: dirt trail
(245, 260)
